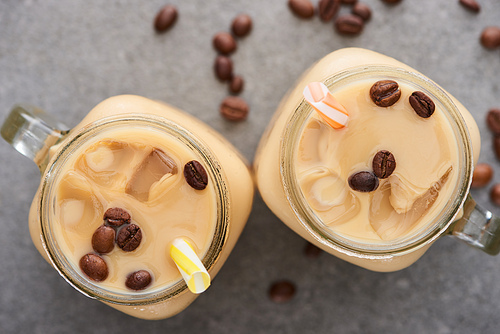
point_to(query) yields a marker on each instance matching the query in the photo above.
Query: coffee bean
(223, 68)
(282, 291)
(327, 9)
(165, 18)
(493, 120)
(495, 194)
(349, 2)
(312, 251)
(496, 146)
(138, 280)
(471, 5)
(383, 164)
(422, 104)
(242, 25)
(116, 217)
(362, 10)
(482, 175)
(349, 24)
(236, 84)
(234, 109)
(490, 37)
(103, 239)
(363, 181)
(129, 237)
(195, 175)
(224, 43)
(385, 93)
(94, 267)
(302, 8)
(392, 1)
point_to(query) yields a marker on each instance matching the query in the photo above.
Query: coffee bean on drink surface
(362, 10)
(482, 175)
(138, 280)
(129, 237)
(422, 104)
(94, 267)
(363, 181)
(234, 109)
(490, 37)
(302, 8)
(493, 120)
(224, 43)
(327, 9)
(349, 24)
(495, 194)
(471, 5)
(383, 164)
(223, 68)
(116, 217)
(166, 18)
(195, 175)
(282, 291)
(236, 84)
(103, 239)
(242, 25)
(385, 93)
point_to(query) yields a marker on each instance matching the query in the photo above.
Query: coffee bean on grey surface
(495, 194)
(363, 181)
(362, 10)
(471, 5)
(349, 2)
(483, 173)
(224, 43)
(236, 84)
(490, 37)
(327, 9)
(103, 239)
(166, 18)
(496, 146)
(312, 251)
(116, 216)
(138, 280)
(234, 108)
(129, 237)
(422, 104)
(241, 25)
(94, 267)
(392, 1)
(385, 93)
(195, 175)
(302, 8)
(223, 68)
(282, 291)
(493, 120)
(349, 24)
(383, 164)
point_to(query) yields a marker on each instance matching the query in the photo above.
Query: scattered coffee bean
(312, 251)
(363, 181)
(302, 8)
(116, 217)
(362, 10)
(94, 267)
(224, 43)
(349, 2)
(482, 175)
(236, 84)
(392, 1)
(242, 25)
(471, 5)
(327, 9)
(234, 109)
(493, 120)
(282, 291)
(490, 37)
(349, 24)
(195, 175)
(129, 237)
(385, 93)
(223, 68)
(165, 18)
(383, 164)
(496, 146)
(138, 280)
(422, 104)
(103, 239)
(495, 194)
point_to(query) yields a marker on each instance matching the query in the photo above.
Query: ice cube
(404, 193)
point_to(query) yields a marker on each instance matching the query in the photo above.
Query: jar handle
(32, 132)
(478, 227)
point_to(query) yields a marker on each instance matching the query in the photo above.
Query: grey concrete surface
(66, 56)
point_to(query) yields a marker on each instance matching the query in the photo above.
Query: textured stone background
(66, 56)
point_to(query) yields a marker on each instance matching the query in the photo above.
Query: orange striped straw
(320, 98)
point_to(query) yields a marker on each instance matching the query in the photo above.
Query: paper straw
(192, 270)
(320, 98)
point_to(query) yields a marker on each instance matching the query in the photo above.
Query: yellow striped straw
(192, 270)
